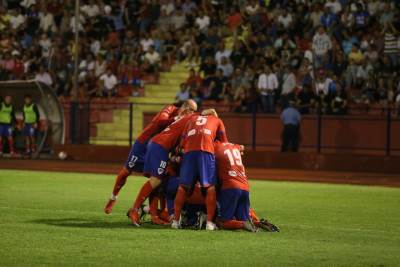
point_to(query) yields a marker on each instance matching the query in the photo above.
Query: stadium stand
(341, 56)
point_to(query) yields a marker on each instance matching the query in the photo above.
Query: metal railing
(367, 131)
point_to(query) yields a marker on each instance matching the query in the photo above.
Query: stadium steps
(116, 130)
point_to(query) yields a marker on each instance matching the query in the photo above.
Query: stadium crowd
(316, 53)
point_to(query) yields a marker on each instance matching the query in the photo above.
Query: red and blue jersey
(230, 169)
(158, 123)
(171, 135)
(201, 132)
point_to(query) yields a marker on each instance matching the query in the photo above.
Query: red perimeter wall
(351, 134)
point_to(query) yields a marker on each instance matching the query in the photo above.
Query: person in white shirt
(321, 44)
(27, 3)
(91, 10)
(289, 81)
(80, 23)
(183, 94)
(285, 19)
(153, 57)
(16, 19)
(43, 76)
(226, 67)
(202, 21)
(334, 6)
(146, 42)
(46, 21)
(168, 7)
(222, 52)
(266, 85)
(45, 44)
(109, 82)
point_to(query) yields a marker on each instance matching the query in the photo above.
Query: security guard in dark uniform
(291, 119)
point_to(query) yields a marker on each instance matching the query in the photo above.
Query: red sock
(232, 224)
(144, 193)
(179, 201)
(120, 181)
(153, 200)
(253, 216)
(1, 144)
(211, 202)
(11, 144)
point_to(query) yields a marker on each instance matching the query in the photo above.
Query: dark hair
(28, 96)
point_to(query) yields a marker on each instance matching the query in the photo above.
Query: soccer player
(199, 162)
(135, 161)
(156, 160)
(31, 119)
(233, 198)
(7, 119)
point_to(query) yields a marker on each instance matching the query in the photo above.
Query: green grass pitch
(56, 219)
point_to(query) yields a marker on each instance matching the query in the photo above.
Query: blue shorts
(29, 130)
(156, 160)
(135, 161)
(234, 204)
(198, 166)
(170, 188)
(6, 130)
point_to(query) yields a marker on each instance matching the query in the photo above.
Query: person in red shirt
(136, 157)
(199, 162)
(156, 161)
(233, 199)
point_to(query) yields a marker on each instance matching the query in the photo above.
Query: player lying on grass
(136, 158)
(156, 160)
(198, 163)
(233, 198)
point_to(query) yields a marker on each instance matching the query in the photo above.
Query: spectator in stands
(305, 99)
(184, 93)
(267, 85)
(321, 45)
(153, 58)
(291, 119)
(43, 76)
(108, 83)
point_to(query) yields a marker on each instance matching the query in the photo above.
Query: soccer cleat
(210, 226)
(266, 225)
(134, 216)
(175, 225)
(249, 226)
(157, 221)
(109, 206)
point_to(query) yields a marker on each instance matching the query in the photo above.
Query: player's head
(28, 99)
(188, 106)
(8, 99)
(209, 112)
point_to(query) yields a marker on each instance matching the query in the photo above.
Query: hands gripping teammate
(157, 157)
(135, 161)
(199, 162)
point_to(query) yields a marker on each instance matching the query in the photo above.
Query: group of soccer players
(196, 177)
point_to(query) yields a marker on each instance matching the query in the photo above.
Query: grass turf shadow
(82, 223)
